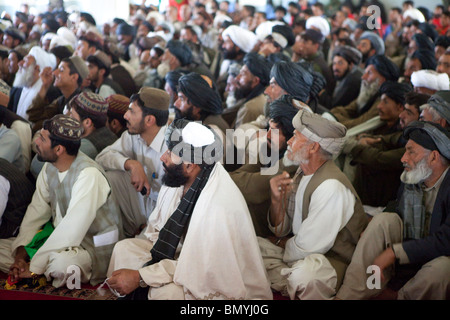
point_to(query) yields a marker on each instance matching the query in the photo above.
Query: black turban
(200, 93)
(52, 24)
(172, 78)
(285, 31)
(384, 66)
(293, 78)
(125, 29)
(442, 41)
(282, 112)
(426, 58)
(423, 41)
(88, 17)
(258, 66)
(430, 31)
(395, 90)
(181, 51)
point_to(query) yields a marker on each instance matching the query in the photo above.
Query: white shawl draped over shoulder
(220, 257)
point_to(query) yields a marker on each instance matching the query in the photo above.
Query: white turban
(68, 36)
(265, 29)
(243, 38)
(414, 14)
(319, 23)
(430, 79)
(43, 58)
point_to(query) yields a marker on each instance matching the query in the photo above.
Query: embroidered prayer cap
(91, 103)
(241, 37)
(181, 51)
(352, 55)
(194, 142)
(201, 92)
(375, 40)
(154, 98)
(80, 66)
(430, 79)
(329, 134)
(64, 127)
(118, 103)
(429, 135)
(258, 66)
(440, 101)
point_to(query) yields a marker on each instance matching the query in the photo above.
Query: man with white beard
(378, 70)
(27, 82)
(415, 243)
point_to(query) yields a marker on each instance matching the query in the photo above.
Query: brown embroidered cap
(64, 127)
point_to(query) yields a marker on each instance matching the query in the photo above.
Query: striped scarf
(170, 235)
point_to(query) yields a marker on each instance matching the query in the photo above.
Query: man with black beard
(135, 158)
(253, 179)
(347, 74)
(198, 100)
(251, 82)
(409, 242)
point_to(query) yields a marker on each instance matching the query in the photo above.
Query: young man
(68, 78)
(74, 201)
(134, 158)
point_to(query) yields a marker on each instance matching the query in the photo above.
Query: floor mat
(48, 292)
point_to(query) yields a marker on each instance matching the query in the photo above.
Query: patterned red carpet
(47, 292)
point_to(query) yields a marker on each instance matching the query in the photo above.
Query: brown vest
(341, 253)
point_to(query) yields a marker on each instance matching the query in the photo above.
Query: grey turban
(440, 101)
(330, 135)
(429, 135)
(375, 40)
(181, 51)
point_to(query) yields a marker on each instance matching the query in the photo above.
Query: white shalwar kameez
(218, 258)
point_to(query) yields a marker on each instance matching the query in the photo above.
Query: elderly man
(251, 82)
(437, 109)
(134, 158)
(74, 201)
(347, 74)
(27, 82)
(429, 81)
(190, 211)
(415, 238)
(378, 70)
(323, 212)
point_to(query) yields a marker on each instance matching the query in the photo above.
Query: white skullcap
(220, 19)
(414, 14)
(155, 15)
(319, 23)
(430, 79)
(43, 58)
(197, 135)
(243, 38)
